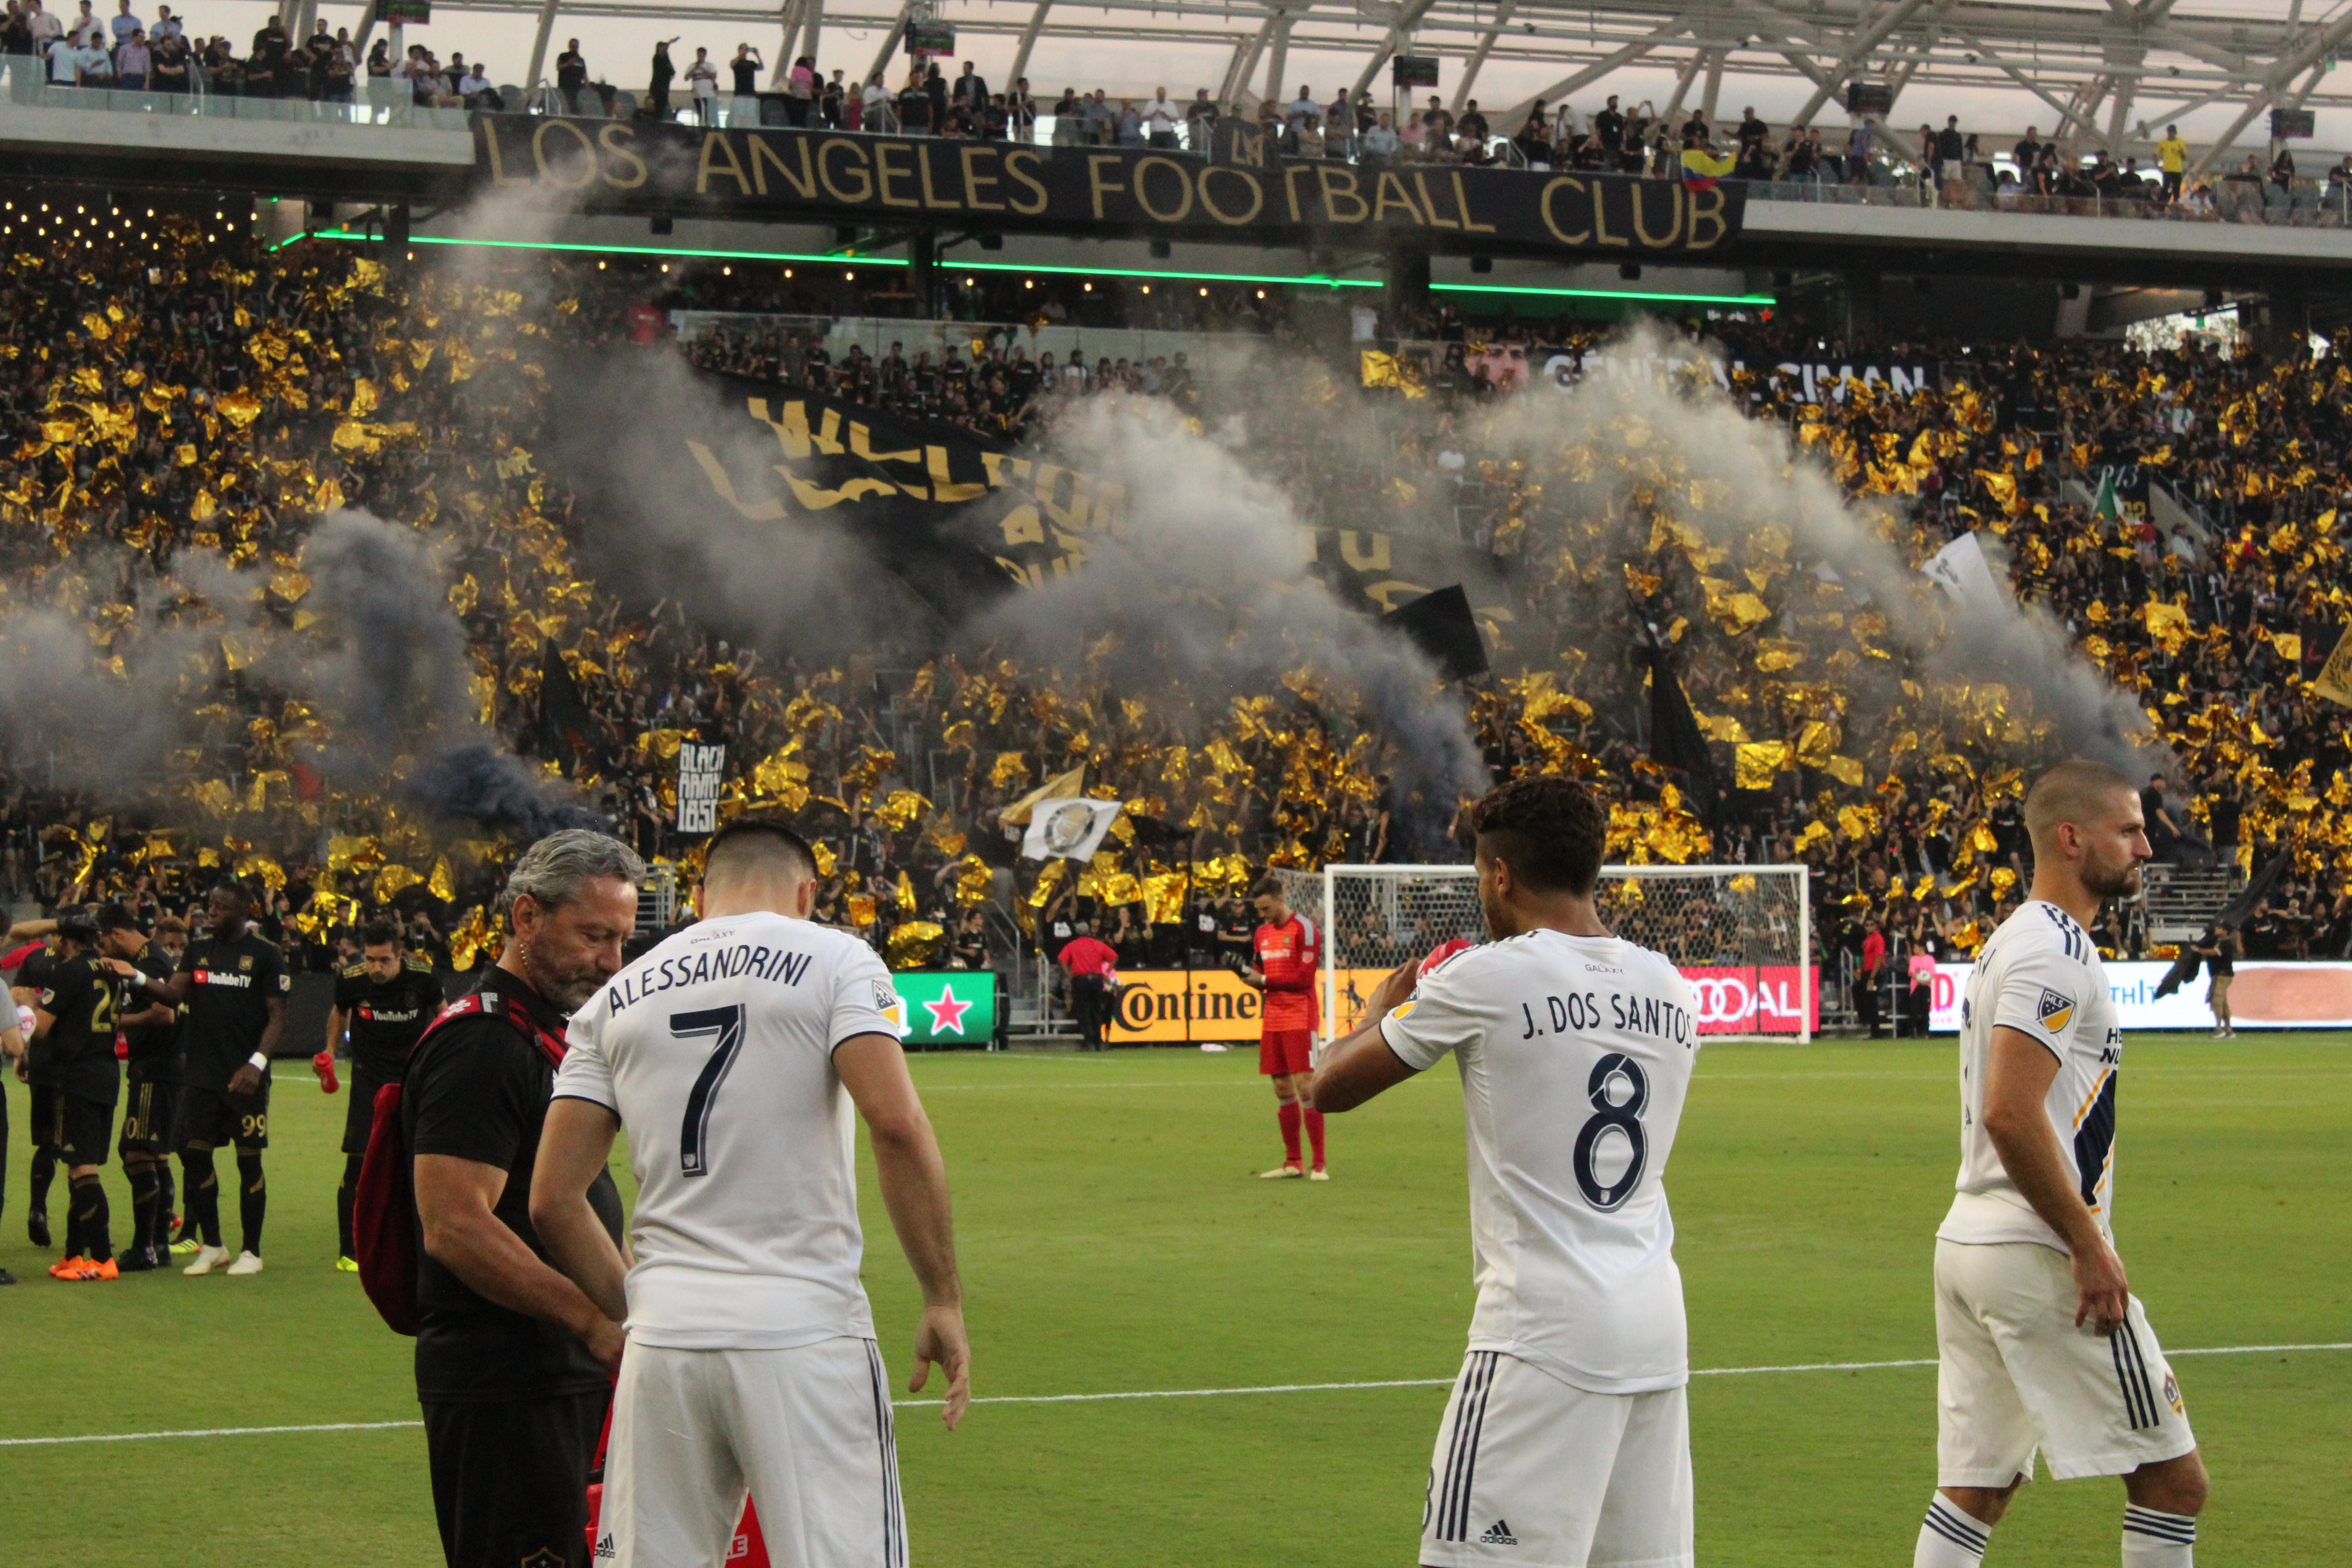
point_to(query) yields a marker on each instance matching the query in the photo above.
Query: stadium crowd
(178, 400)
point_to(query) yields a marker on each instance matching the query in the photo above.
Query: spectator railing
(387, 101)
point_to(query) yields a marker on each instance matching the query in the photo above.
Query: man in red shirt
(1287, 948)
(1092, 965)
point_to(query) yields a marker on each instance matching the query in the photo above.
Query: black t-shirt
(228, 1004)
(81, 994)
(150, 1043)
(747, 77)
(385, 1019)
(477, 1090)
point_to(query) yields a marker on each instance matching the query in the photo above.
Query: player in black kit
(233, 984)
(149, 1031)
(73, 1048)
(384, 1001)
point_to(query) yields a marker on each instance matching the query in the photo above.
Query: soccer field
(1114, 1242)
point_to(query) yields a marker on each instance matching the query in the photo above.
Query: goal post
(1742, 935)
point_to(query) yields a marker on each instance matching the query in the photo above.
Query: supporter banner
(1814, 383)
(960, 514)
(947, 1007)
(915, 180)
(698, 768)
(2314, 995)
(1732, 1000)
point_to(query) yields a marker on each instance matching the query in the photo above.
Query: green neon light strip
(839, 259)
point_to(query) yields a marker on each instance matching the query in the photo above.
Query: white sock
(1950, 1538)
(2153, 1539)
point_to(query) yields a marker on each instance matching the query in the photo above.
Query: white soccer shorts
(1536, 1474)
(806, 1430)
(2014, 1375)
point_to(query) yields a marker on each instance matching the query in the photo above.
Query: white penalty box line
(1126, 1394)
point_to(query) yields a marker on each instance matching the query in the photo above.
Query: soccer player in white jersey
(1566, 1443)
(2041, 1342)
(733, 1053)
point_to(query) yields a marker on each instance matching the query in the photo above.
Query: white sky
(618, 51)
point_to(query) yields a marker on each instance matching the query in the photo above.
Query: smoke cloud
(1746, 478)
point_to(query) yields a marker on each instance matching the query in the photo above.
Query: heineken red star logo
(947, 1014)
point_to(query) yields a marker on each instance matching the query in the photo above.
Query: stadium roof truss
(2105, 70)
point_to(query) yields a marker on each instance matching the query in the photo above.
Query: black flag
(565, 724)
(2184, 967)
(1440, 624)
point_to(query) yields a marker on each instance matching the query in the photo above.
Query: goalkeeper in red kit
(1286, 950)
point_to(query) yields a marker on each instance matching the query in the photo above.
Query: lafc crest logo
(2055, 1011)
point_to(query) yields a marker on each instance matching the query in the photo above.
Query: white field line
(1129, 1394)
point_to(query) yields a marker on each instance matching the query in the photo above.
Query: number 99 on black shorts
(210, 1116)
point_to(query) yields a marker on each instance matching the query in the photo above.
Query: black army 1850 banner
(919, 179)
(969, 515)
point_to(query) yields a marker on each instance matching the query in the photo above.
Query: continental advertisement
(1173, 1007)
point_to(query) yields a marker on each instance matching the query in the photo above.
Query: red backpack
(384, 1211)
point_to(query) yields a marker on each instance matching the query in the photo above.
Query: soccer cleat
(1287, 1172)
(90, 1271)
(64, 1268)
(247, 1263)
(138, 1260)
(347, 1266)
(208, 1259)
(37, 1226)
(186, 1244)
(6, 1278)
(1318, 1175)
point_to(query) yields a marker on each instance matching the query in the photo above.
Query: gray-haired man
(513, 1362)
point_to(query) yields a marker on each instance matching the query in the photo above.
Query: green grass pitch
(1112, 1239)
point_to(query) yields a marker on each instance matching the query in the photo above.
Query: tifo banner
(698, 771)
(959, 515)
(2313, 996)
(947, 1006)
(903, 181)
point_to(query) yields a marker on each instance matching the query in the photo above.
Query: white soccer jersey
(716, 1051)
(1575, 1055)
(2039, 974)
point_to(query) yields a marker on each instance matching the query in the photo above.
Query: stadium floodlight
(1742, 935)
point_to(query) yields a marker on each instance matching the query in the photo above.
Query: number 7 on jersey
(727, 1024)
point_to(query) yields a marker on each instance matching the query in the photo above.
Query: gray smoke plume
(401, 672)
(1748, 478)
(1207, 593)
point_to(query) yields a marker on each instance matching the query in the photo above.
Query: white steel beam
(1470, 70)
(1028, 42)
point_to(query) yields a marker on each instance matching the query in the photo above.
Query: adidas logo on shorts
(1499, 1534)
(604, 1547)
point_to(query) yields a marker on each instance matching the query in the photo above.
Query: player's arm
(574, 1146)
(914, 1181)
(171, 991)
(247, 1076)
(1364, 1064)
(457, 1209)
(2019, 1071)
(337, 1022)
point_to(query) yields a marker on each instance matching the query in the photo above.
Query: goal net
(1740, 934)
